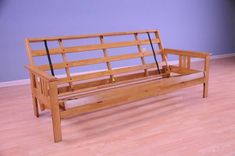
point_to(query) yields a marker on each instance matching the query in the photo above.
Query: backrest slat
(96, 60)
(92, 47)
(65, 63)
(109, 67)
(89, 36)
(141, 52)
(120, 53)
(160, 45)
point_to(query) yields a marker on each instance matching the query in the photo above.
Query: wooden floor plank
(179, 123)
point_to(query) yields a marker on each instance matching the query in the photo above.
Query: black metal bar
(49, 58)
(154, 55)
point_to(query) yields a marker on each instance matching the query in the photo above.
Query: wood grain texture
(47, 88)
(176, 124)
(108, 64)
(90, 35)
(76, 49)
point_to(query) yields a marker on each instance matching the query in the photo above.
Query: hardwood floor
(176, 124)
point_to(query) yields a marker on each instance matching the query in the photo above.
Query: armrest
(185, 58)
(35, 70)
(186, 53)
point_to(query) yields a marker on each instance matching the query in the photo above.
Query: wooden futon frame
(72, 75)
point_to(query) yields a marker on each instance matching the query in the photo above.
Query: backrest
(97, 56)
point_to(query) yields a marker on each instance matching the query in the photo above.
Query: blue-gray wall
(204, 25)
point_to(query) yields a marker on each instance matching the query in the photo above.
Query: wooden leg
(206, 71)
(35, 107)
(35, 101)
(56, 123)
(55, 113)
(205, 89)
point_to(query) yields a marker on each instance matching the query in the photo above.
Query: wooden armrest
(186, 53)
(40, 73)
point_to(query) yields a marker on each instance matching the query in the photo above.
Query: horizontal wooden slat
(108, 72)
(186, 53)
(54, 51)
(89, 36)
(96, 60)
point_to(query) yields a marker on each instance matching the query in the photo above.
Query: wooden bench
(103, 70)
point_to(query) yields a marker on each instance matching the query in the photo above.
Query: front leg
(55, 112)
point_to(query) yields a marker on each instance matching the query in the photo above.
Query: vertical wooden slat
(105, 55)
(45, 88)
(188, 62)
(38, 87)
(184, 61)
(68, 74)
(42, 86)
(180, 60)
(141, 52)
(161, 47)
(37, 82)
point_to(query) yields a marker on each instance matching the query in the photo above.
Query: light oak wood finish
(65, 60)
(141, 53)
(160, 45)
(76, 49)
(107, 60)
(125, 84)
(167, 125)
(96, 61)
(89, 36)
